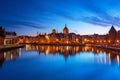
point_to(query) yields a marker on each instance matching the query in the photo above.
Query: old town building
(2, 35)
(64, 38)
(10, 38)
(7, 37)
(54, 37)
(112, 35)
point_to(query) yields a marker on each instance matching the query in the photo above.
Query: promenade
(8, 47)
(115, 48)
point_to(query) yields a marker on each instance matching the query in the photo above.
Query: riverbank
(53, 44)
(108, 47)
(8, 47)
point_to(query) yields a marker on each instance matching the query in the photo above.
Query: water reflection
(104, 56)
(107, 56)
(64, 50)
(8, 55)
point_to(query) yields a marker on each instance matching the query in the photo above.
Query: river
(38, 62)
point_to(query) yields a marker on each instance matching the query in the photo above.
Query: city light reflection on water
(37, 62)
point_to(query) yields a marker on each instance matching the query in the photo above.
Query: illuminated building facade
(53, 38)
(112, 38)
(65, 30)
(95, 39)
(112, 35)
(64, 37)
(10, 38)
(7, 37)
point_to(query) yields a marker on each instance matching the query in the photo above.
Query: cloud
(98, 9)
(20, 24)
(29, 26)
(39, 14)
(95, 20)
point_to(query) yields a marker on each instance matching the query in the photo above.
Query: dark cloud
(64, 8)
(14, 23)
(39, 14)
(95, 20)
(97, 8)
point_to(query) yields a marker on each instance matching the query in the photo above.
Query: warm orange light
(97, 41)
(118, 59)
(104, 40)
(67, 42)
(85, 39)
(109, 41)
(92, 41)
(57, 39)
(117, 41)
(77, 40)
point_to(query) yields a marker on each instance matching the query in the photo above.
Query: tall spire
(112, 34)
(65, 30)
(65, 25)
(112, 29)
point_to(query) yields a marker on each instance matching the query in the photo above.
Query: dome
(53, 31)
(65, 30)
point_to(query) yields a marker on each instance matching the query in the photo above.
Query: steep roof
(112, 29)
(2, 32)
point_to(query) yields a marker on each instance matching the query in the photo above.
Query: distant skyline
(27, 17)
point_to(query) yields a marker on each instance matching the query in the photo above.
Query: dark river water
(59, 63)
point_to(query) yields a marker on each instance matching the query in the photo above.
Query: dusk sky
(27, 17)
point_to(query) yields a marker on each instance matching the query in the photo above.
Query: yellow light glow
(109, 41)
(97, 41)
(109, 58)
(104, 40)
(118, 59)
(85, 39)
(117, 41)
(92, 41)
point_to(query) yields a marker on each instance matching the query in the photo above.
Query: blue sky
(27, 17)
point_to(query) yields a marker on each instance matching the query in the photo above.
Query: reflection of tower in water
(107, 55)
(63, 50)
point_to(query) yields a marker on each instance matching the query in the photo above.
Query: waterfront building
(118, 37)
(111, 38)
(54, 37)
(95, 39)
(7, 37)
(65, 37)
(59, 38)
(112, 35)
(53, 31)
(2, 35)
(65, 30)
(10, 38)
(100, 39)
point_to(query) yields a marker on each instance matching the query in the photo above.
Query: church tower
(65, 30)
(112, 35)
